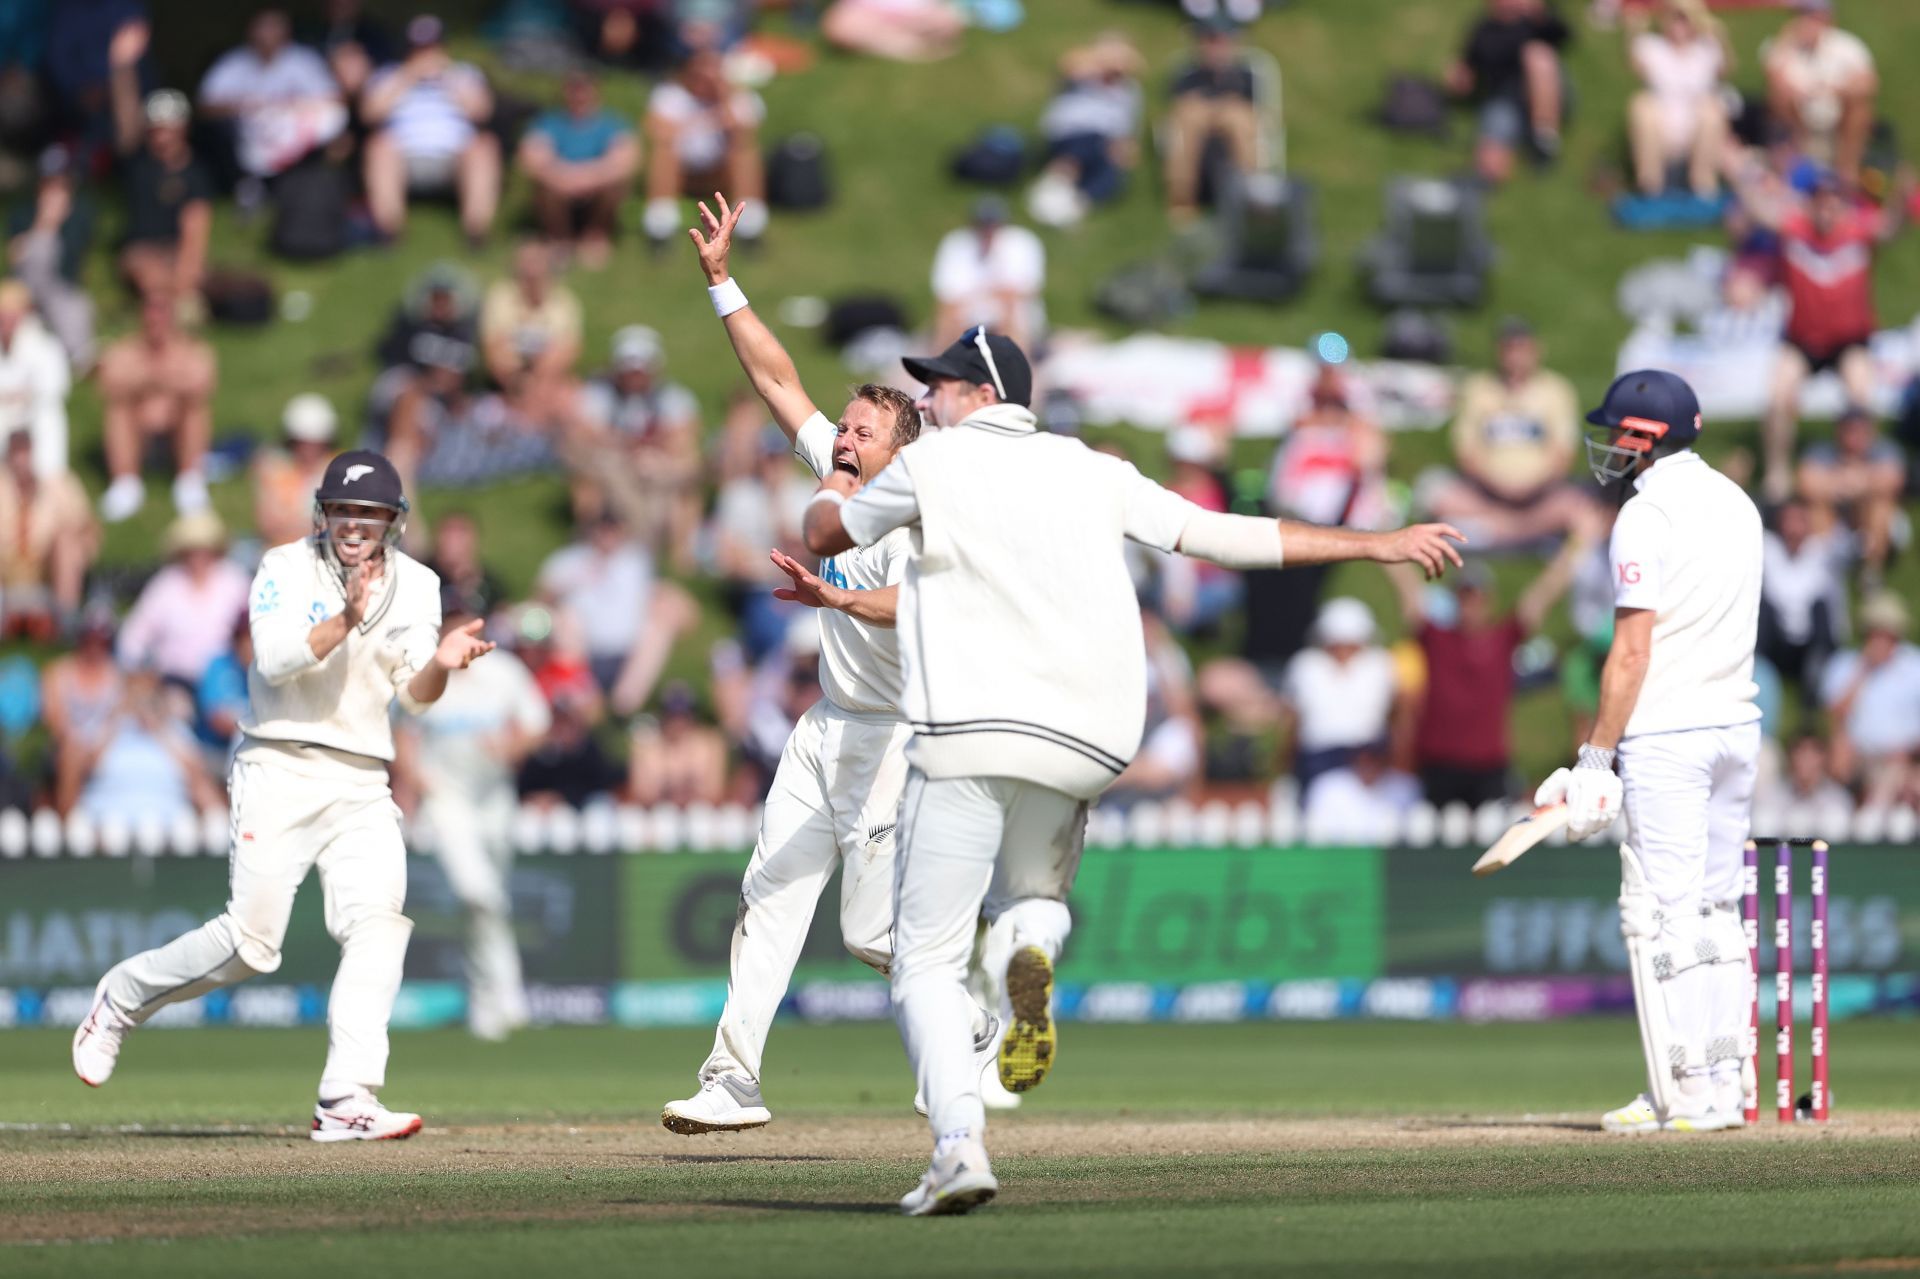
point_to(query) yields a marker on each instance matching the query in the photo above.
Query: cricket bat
(1522, 835)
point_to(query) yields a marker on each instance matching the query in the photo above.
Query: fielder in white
(463, 753)
(1677, 715)
(343, 625)
(836, 792)
(1025, 685)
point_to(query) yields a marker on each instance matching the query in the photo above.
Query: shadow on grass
(806, 1205)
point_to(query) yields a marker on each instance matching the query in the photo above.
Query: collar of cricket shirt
(1666, 463)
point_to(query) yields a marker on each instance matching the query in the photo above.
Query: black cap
(965, 360)
(362, 476)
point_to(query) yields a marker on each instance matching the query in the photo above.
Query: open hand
(129, 44)
(718, 240)
(461, 646)
(808, 588)
(359, 593)
(1431, 546)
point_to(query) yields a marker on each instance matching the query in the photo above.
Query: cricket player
(1024, 682)
(836, 792)
(1678, 722)
(343, 625)
(465, 751)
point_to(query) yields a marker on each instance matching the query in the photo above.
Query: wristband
(827, 495)
(727, 297)
(1595, 757)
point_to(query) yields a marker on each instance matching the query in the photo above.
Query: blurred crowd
(334, 131)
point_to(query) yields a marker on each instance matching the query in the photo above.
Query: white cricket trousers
(835, 800)
(473, 839)
(970, 846)
(297, 808)
(1688, 798)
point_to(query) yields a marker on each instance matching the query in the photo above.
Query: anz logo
(831, 574)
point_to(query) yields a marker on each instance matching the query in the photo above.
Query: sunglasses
(986, 353)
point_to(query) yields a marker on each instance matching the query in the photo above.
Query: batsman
(1675, 747)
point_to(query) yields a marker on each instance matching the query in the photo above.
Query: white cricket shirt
(1688, 546)
(460, 732)
(859, 664)
(341, 702)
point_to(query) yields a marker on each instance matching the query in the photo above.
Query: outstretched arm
(768, 366)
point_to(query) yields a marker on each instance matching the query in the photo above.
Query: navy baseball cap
(1643, 410)
(980, 358)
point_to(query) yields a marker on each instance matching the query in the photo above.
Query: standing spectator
(456, 558)
(756, 513)
(1856, 483)
(1515, 434)
(704, 136)
(144, 767)
(1511, 69)
(1677, 117)
(157, 382)
(990, 272)
(280, 97)
(34, 380)
(1091, 128)
(1821, 84)
(1338, 695)
(897, 30)
(1213, 98)
(285, 478)
(651, 427)
(1872, 696)
(677, 759)
(1803, 595)
(581, 161)
(629, 621)
(429, 115)
(169, 193)
(1364, 802)
(81, 690)
(530, 336)
(183, 618)
(48, 541)
(1462, 744)
(48, 240)
(1826, 256)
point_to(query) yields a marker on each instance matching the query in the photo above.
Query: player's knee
(875, 952)
(364, 925)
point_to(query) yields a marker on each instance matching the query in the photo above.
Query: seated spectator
(760, 704)
(549, 642)
(629, 620)
(1855, 483)
(1515, 435)
(1332, 466)
(439, 434)
(1872, 695)
(754, 514)
(437, 326)
(898, 30)
(1168, 763)
(353, 43)
(80, 690)
(456, 558)
(48, 541)
(1510, 68)
(284, 478)
(220, 699)
(530, 336)
(1462, 737)
(704, 136)
(143, 767)
(48, 237)
(1822, 85)
(676, 759)
(568, 768)
(1091, 128)
(169, 194)
(158, 382)
(34, 380)
(1363, 802)
(1338, 695)
(429, 115)
(1213, 98)
(183, 617)
(581, 161)
(279, 97)
(1677, 117)
(990, 272)
(651, 427)
(1808, 798)
(1827, 252)
(1803, 595)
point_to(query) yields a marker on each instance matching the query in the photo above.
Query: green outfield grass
(1312, 1149)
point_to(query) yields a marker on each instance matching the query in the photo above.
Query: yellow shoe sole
(1028, 1051)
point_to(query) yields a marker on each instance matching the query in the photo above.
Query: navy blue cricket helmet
(1647, 413)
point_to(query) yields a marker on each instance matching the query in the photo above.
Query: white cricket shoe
(97, 1040)
(959, 1180)
(1637, 1115)
(359, 1116)
(1712, 1119)
(723, 1104)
